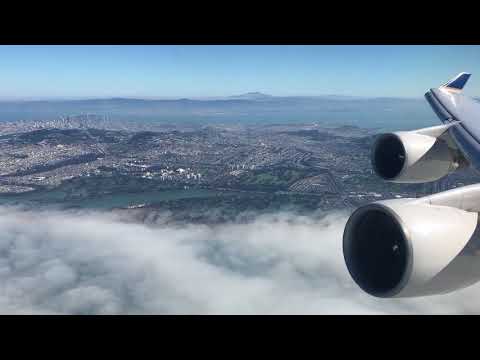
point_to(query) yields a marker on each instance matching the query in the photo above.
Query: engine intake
(389, 156)
(373, 240)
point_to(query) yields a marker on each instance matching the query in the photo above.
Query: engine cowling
(413, 247)
(414, 156)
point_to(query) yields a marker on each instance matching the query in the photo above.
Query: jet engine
(415, 247)
(416, 156)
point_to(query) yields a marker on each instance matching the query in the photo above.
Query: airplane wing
(450, 104)
(428, 245)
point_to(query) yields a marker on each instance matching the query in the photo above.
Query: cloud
(100, 263)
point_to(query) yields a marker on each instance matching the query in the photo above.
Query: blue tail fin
(458, 82)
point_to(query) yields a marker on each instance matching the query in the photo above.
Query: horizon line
(195, 98)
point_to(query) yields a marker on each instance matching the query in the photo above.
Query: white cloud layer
(97, 263)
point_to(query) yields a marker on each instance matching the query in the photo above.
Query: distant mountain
(252, 107)
(251, 96)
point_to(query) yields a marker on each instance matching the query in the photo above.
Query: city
(308, 165)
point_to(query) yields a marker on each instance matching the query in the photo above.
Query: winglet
(458, 82)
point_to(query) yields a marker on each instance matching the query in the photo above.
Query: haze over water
(379, 113)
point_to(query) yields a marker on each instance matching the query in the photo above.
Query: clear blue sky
(202, 71)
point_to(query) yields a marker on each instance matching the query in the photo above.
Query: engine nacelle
(415, 247)
(415, 156)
